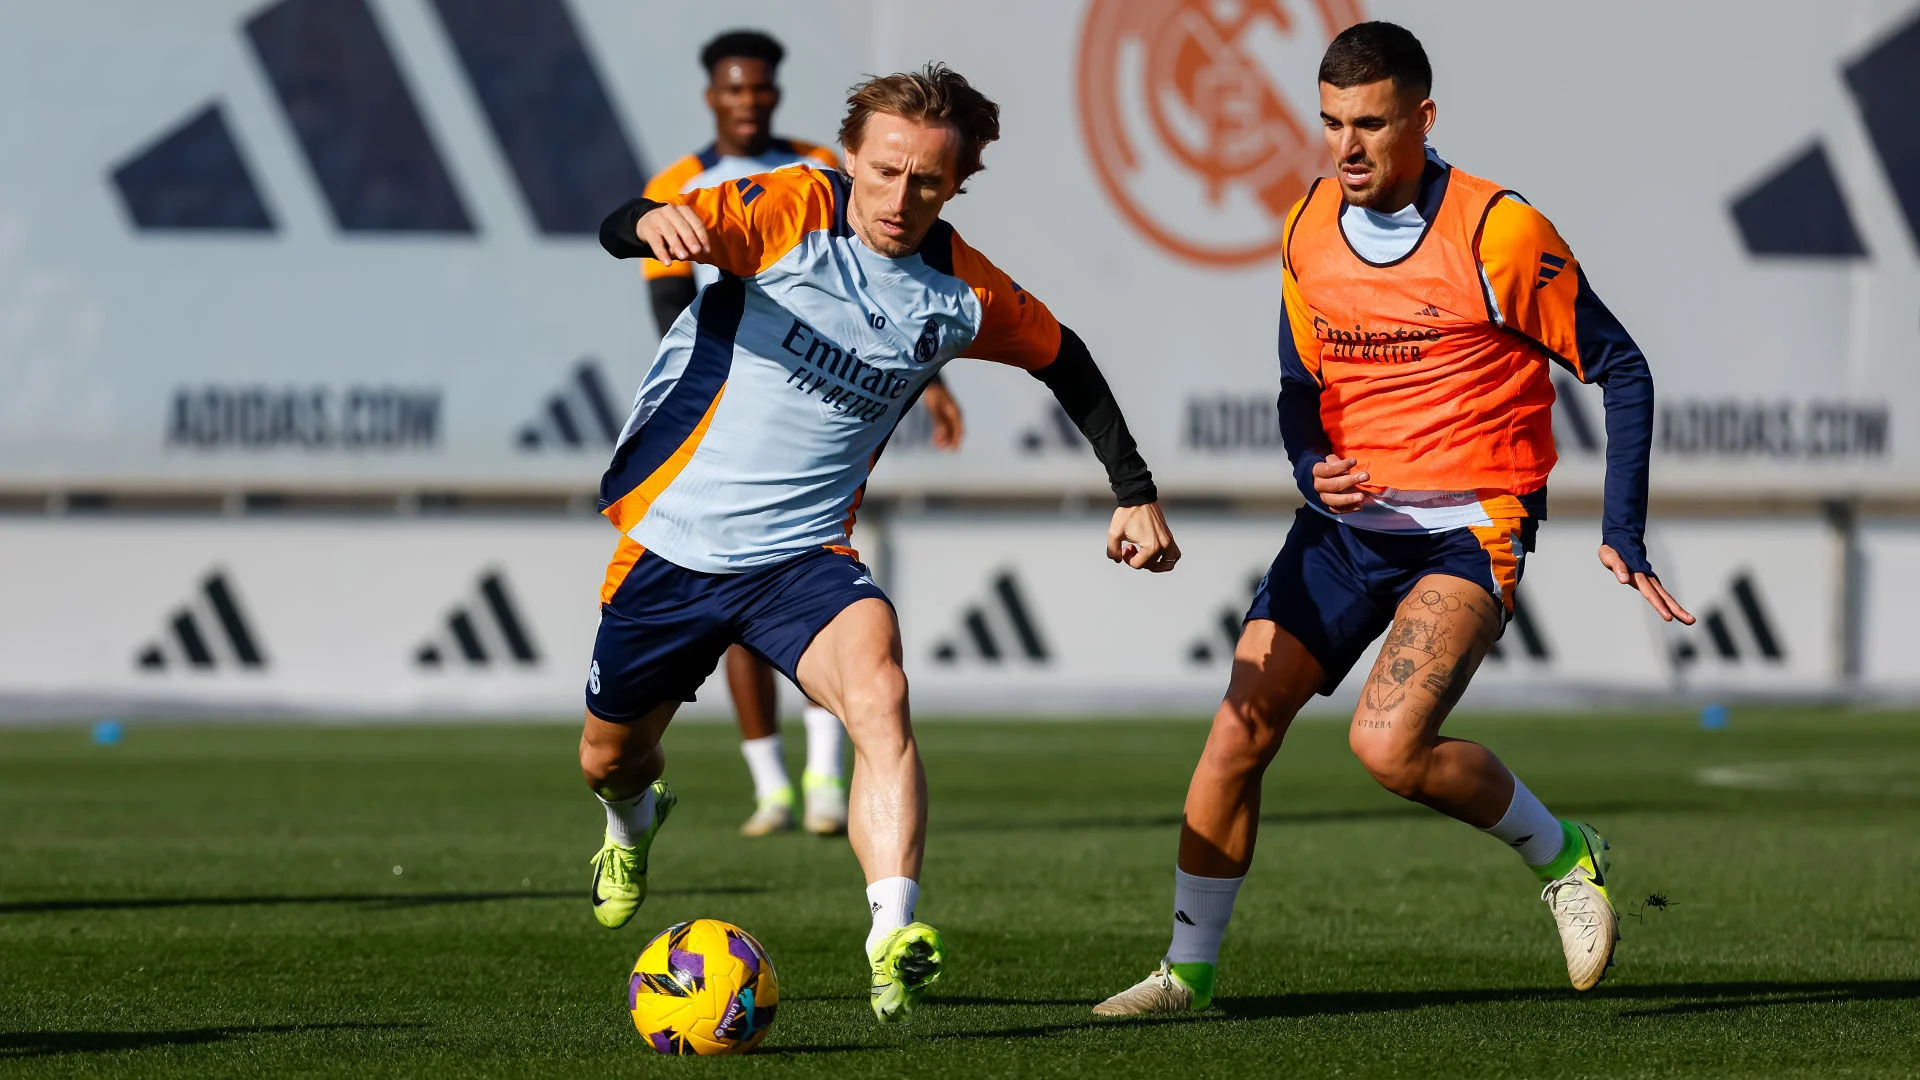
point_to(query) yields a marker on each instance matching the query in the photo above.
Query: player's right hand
(674, 233)
(1334, 481)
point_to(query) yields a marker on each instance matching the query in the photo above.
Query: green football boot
(620, 873)
(1174, 988)
(905, 963)
(1576, 894)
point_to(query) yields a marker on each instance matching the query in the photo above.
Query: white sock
(824, 736)
(1528, 828)
(629, 819)
(892, 901)
(1201, 908)
(768, 767)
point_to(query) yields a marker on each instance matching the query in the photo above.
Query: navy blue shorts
(664, 628)
(1335, 588)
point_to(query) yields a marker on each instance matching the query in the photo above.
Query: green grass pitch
(410, 901)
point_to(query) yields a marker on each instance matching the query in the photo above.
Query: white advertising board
(1025, 614)
(1889, 598)
(349, 242)
(1010, 615)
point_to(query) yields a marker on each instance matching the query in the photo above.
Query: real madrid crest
(928, 346)
(1186, 115)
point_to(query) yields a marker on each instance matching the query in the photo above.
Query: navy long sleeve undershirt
(1613, 361)
(1301, 431)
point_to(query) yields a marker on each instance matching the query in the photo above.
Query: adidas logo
(1760, 639)
(1550, 267)
(1799, 209)
(1532, 643)
(187, 642)
(1428, 312)
(1182, 917)
(1219, 642)
(979, 633)
(343, 95)
(1056, 431)
(487, 629)
(577, 416)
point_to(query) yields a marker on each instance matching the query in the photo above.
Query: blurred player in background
(742, 91)
(738, 475)
(1421, 309)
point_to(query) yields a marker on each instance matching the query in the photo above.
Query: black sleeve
(1083, 392)
(670, 296)
(616, 232)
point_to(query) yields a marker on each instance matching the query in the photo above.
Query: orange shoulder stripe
(753, 222)
(1015, 327)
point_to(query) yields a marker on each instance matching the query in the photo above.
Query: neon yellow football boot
(620, 873)
(905, 963)
(1173, 988)
(1576, 894)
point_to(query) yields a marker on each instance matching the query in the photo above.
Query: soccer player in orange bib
(738, 477)
(1422, 309)
(742, 92)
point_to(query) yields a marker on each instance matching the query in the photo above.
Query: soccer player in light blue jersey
(738, 476)
(743, 93)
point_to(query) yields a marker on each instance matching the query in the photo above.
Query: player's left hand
(1657, 595)
(1140, 538)
(948, 428)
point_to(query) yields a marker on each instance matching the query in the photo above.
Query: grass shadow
(1667, 999)
(30, 1044)
(1684, 998)
(375, 901)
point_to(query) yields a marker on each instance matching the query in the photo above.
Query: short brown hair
(936, 94)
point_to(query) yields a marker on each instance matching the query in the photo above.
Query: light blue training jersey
(772, 396)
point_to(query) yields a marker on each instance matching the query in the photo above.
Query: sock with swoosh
(1530, 830)
(629, 819)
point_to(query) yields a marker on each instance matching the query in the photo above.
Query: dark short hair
(746, 44)
(936, 94)
(1370, 51)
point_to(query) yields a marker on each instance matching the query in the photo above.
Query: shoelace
(1583, 918)
(612, 871)
(1164, 974)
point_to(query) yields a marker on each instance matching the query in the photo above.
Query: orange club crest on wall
(1188, 127)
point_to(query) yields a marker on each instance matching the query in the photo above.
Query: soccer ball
(703, 987)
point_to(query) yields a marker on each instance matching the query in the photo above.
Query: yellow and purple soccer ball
(703, 987)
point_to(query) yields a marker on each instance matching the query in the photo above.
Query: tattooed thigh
(1436, 641)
